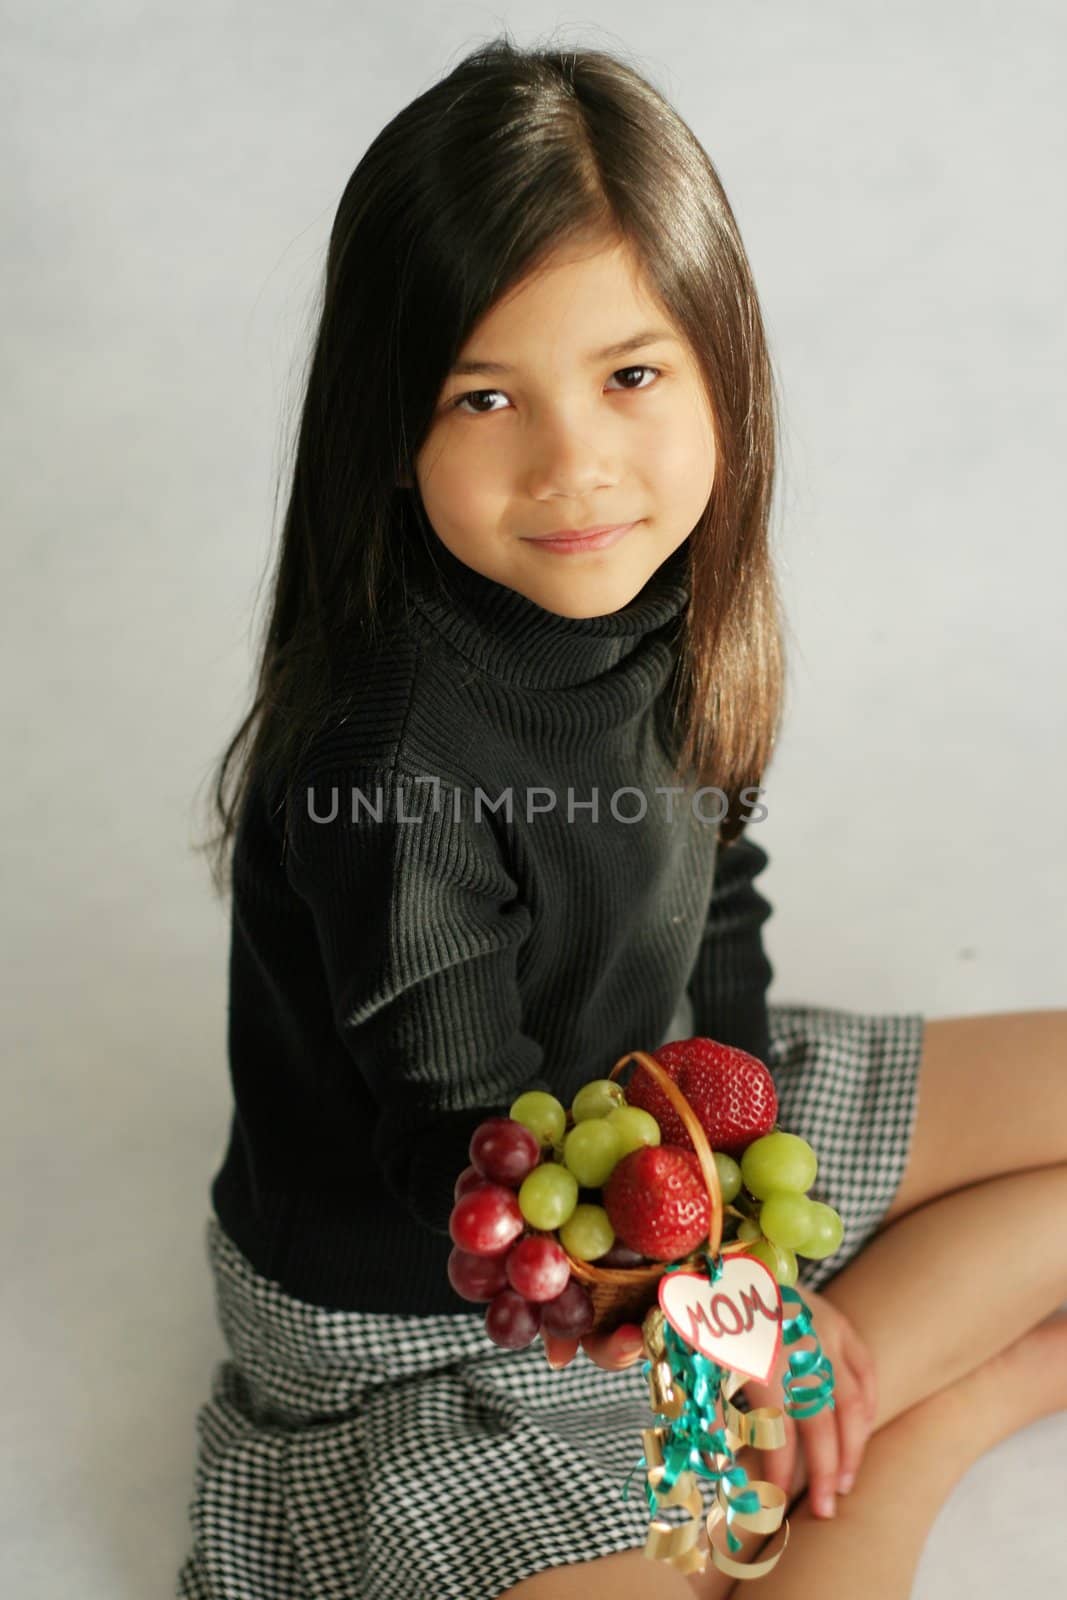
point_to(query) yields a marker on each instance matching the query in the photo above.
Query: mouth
(601, 538)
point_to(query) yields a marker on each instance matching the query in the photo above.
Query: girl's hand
(612, 1351)
(833, 1440)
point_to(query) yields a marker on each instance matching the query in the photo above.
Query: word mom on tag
(735, 1321)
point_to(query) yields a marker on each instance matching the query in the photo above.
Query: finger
(853, 1426)
(615, 1350)
(819, 1438)
(857, 1354)
(859, 1359)
(560, 1352)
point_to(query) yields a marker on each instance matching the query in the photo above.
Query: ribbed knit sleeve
(419, 927)
(729, 982)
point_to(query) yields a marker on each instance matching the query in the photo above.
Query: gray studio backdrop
(171, 174)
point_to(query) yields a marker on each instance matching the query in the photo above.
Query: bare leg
(946, 1286)
(935, 1295)
(910, 1468)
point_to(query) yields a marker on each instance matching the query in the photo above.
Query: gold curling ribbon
(763, 1428)
(678, 1544)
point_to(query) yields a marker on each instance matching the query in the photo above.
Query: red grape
(476, 1277)
(504, 1150)
(512, 1321)
(620, 1255)
(470, 1178)
(487, 1220)
(570, 1314)
(537, 1267)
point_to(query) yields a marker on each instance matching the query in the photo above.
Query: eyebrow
(624, 347)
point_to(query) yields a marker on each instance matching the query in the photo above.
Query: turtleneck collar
(513, 638)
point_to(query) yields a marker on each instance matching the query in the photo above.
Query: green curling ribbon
(692, 1435)
(804, 1363)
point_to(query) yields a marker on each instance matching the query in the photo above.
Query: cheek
(461, 493)
(683, 459)
(447, 476)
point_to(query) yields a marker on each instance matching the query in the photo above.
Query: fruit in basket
(591, 1150)
(827, 1232)
(570, 1315)
(778, 1170)
(518, 1228)
(486, 1221)
(537, 1267)
(634, 1127)
(476, 1277)
(495, 1257)
(587, 1233)
(621, 1257)
(503, 1150)
(729, 1176)
(470, 1178)
(596, 1099)
(786, 1218)
(511, 1321)
(731, 1093)
(779, 1161)
(548, 1195)
(543, 1114)
(781, 1261)
(658, 1203)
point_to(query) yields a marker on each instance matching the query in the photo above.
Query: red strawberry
(731, 1092)
(657, 1202)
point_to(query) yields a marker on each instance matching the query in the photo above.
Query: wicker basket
(624, 1294)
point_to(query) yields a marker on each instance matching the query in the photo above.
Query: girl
(494, 828)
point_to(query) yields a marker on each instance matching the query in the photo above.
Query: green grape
(782, 1262)
(587, 1233)
(786, 1218)
(749, 1230)
(787, 1266)
(542, 1114)
(548, 1196)
(779, 1161)
(635, 1128)
(729, 1175)
(591, 1150)
(826, 1234)
(763, 1250)
(597, 1098)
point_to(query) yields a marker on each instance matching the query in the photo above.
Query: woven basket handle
(695, 1131)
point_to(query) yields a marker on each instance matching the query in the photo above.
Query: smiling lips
(569, 540)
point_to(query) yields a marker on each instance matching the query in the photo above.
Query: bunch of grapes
(779, 1220)
(520, 1198)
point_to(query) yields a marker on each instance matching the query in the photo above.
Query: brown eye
(467, 402)
(472, 394)
(655, 370)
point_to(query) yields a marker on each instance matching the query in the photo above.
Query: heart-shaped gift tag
(735, 1321)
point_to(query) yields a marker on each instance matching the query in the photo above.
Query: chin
(601, 597)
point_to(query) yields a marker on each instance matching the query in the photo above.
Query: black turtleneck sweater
(408, 954)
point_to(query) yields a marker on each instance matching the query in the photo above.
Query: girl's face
(546, 429)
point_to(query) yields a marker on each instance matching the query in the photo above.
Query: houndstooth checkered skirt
(353, 1456)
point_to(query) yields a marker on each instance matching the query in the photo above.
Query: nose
(568, 458)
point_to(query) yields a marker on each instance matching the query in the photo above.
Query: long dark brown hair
(516, 152)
